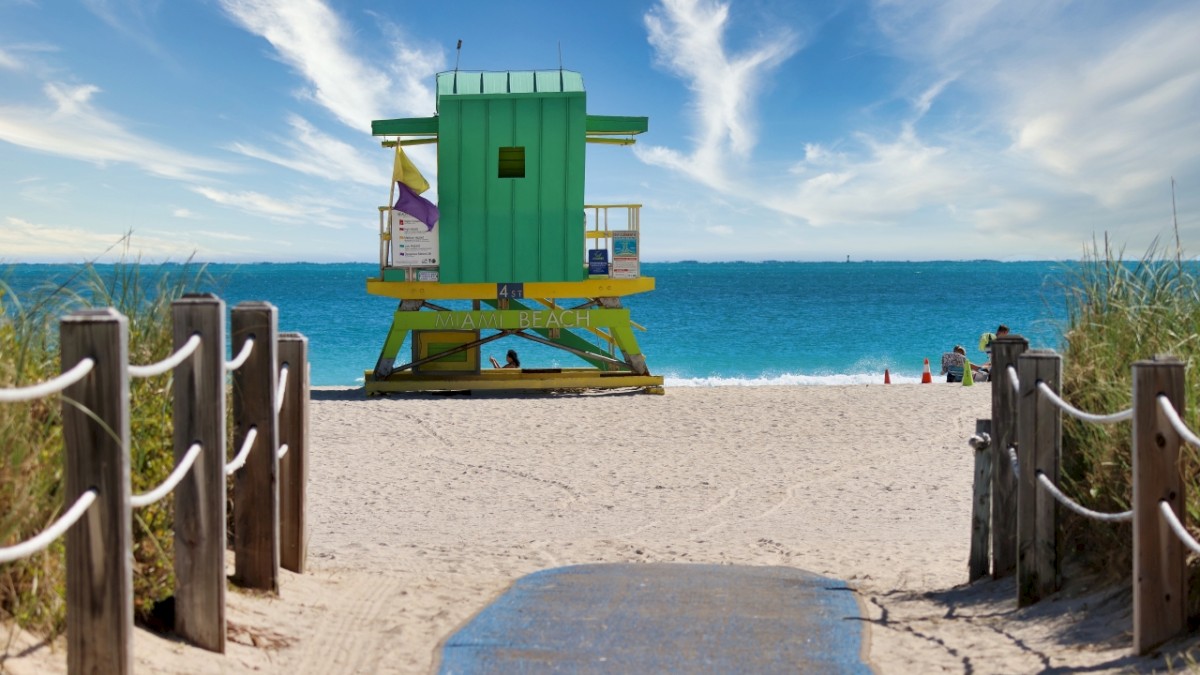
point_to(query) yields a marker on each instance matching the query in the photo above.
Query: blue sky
(886, 129)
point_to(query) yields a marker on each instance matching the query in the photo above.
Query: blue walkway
(659, 618)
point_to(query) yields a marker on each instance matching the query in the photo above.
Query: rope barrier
(980, 441)
(1071, 410)
(1172, 416)
(138, 501)
(1066, 501)
(50, 386)
(41, 541)
(280, 391)
(168, 363)
(1012, 457)
(282, 451)
(238, 360)
(1177, 527)
(1014, 379)
(240, 461)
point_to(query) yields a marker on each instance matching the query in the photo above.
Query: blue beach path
(657, 618)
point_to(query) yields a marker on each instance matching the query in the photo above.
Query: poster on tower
(625, 254)
(414, 244)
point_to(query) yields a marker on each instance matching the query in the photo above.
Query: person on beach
(953, 363)
(985, 344)
(511, 360)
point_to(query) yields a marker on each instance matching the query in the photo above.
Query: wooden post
(1039, 435)
(199, 393)
(1005, 351)
(293, 467)
(1159, 570)
(99, 547)
(256, 484)
(981, 504)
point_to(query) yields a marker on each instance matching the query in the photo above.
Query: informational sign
(625, 268)
(414, 244)
(427, 275)
(625, 254)
(598, 262)
(625, 244)
(510, 291)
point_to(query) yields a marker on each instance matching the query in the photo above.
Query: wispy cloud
(27, 241)
(8, 61)
(689, 38)
(315, 153)
(133, 18)
(73, 127)
(258, 204)
(311, 38)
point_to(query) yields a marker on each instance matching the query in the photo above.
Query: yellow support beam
(432, 290)
(512, 378)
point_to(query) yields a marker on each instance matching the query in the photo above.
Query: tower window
(512, 162)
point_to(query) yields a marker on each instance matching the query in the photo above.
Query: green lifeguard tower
(515, 238)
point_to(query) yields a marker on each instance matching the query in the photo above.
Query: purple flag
(416, 206)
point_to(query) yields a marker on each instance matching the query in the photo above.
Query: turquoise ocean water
(707, 323)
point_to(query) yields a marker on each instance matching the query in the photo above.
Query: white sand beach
(424, 508)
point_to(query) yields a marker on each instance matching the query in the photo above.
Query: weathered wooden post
(293, 466)
(981, 504)
(256, 484)
(1005, 351)
(99, 547)
(1039, 435)
(199, 393)
(1159, 571)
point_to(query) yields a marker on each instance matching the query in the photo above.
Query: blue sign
(598, 261)
(510, 291)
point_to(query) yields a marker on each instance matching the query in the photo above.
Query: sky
(240, 130)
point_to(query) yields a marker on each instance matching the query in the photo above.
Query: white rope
(280, 391)
(1012, 457)
(980, 441)
(41, 541)
(282, 451)
(1081, 510)
(181, 469)
(169, 363)
(1177, 527)
(242, 355)
(1164, 404)
(239, 461)
(1071, 410)
(50, 386)
(1014, 379)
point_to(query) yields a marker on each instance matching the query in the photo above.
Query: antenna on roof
(457, 56)
(561, 86)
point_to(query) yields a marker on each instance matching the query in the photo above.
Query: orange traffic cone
(887, 377)
(926, 377)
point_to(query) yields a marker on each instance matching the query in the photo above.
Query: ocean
(736, 323)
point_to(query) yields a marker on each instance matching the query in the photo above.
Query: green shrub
(1119, 312)
(31, 480)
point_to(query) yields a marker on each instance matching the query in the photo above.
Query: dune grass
(1120, 312)
(31, 475)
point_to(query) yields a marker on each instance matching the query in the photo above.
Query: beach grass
(31, 445)
(1121, 311)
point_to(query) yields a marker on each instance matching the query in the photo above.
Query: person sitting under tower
(511, 360)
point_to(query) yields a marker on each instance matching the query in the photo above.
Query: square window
(512, 162)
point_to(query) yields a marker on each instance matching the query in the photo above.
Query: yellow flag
(406, 172)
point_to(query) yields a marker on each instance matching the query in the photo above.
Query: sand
(424, 508)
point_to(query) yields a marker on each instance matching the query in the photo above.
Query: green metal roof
(466, 83)
(597, 125)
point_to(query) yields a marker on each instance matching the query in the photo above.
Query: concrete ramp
(656, 618)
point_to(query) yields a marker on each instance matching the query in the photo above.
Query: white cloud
(315, 153)
(184, 213)
(688, 37)
(311, 38)
(26, 241)
(8, 61)
(258, 204)
(73, 127)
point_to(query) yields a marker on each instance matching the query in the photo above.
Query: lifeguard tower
(513, 237)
